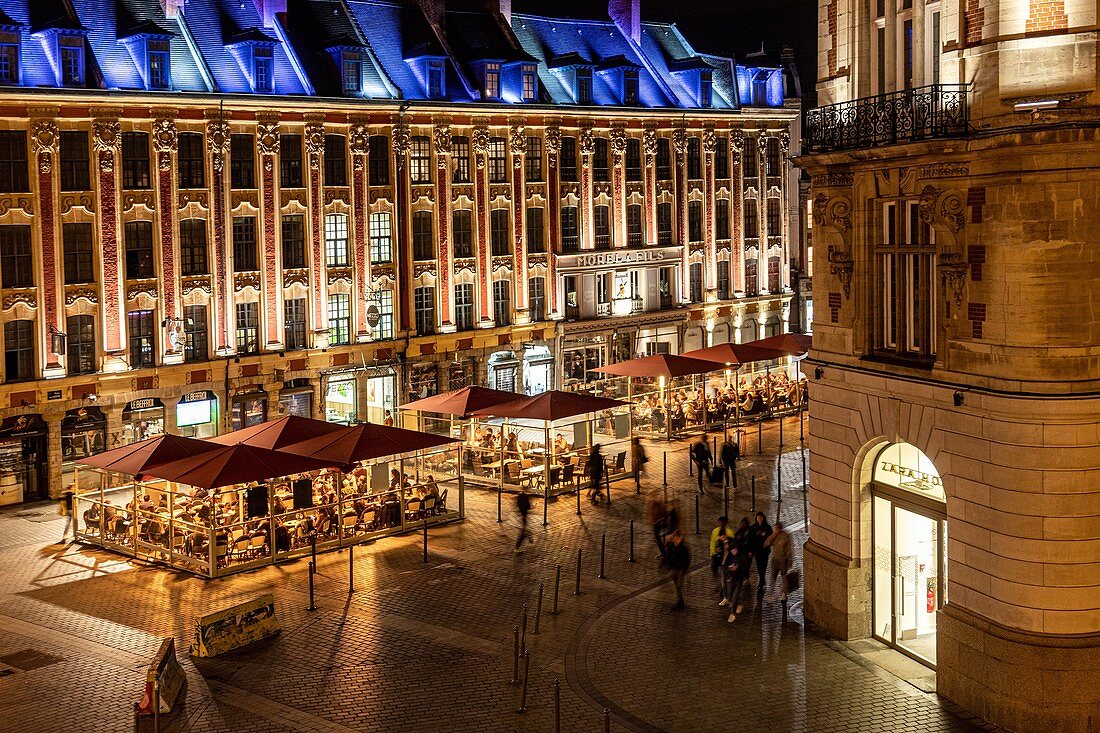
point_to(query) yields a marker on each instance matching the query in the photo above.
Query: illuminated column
(44, 138)
(588, 147)
(359, 145)
(480, 145)
(442, 137)
(762, 253)
(402, 140)
(785, 211)
(217, 140)
(165, 138)
(618, 190)
(649, 148)
(553, 211)
(267, 141)
(679, 144)
(106, 138)
(517, 143)
(737, 192)
(315, 148)
(710, 276)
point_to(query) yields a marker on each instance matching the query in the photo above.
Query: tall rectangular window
(601, 170)
(880, 58)
(193, 247)
(752, 278)
(141, 331)
(749, 164)
(935, 45)
(568, 165)
(721, 158)
(196, 333)
(339, 319)
(570, 230)
(635, 228)
(536, 298)
(294, 240)
(530, 84)
(502, 302)
(532, 163)
(752, 220)
(601, 224)
(630, 87)
(423, 236)
(381, 237)
(460, 159)
(336, 161)
(424, 310)
(248, 328)
(633, 159)
(75, 162)
(72, 65)
(290, 161)
(263, 70)
(462, 234)
(492, 81)
(499, 235)
(420, 159)
(775, 228)
(722, 219)
(694, 158)
(9, 62)
(385, 315)
(906, 283)
(536, 227)
(436, 79)
(13, 162)
(664, 223)
(16, 262)
(76, 240)
(772, 157)
(190, 160)
(695, 282)
(244, 244)
(352, 73)
(294, 324)
(723, 277)
(498, 161)
(135, 160)
(139, 249)
(159, 58)
(695, 221)
(664, 159)
(336, 240)
(907, 51)
(242, 165)
(378, 161)
(19, 361)
(583, 91)
(774, 281)
(464, 307)
(80, 345)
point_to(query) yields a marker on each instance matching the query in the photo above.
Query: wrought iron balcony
(936, 111)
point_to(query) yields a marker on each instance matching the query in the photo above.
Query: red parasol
(734, 355)
(278, 433)
(135, 458)
(662, 365)
(236, 464)
(551, 406)
(365, 441)
(788, 344)
(463, 402)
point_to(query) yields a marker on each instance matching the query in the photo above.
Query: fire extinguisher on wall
(931, 594)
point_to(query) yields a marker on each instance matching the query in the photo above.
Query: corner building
(216, 212)
(955, 475)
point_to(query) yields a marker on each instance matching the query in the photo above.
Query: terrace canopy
(365, 441)
(551, 406)
(788, 344)
(464, 403)
(734, 355)
(662, 365)
(135, 459)
(279, 433)
(236, 464)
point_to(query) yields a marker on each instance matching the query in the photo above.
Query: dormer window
(630, 87)
(72, 61)
(706, 89)
(582, 92)
(492, 80)
(151, 50)
(437, 87)
(159, 60)
(530, 83)
(263, 69)
(352, 73)
(9, 58)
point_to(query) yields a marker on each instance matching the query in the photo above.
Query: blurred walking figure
(718, 538)
(595, 473)
(638, 459)
(729, 453)
(782, 556)
(67, 508)
(677, 560)
(658, 519)
(523, 506)
(759, 532)
(735, 569)
(700, 454)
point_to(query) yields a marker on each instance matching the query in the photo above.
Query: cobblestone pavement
(428, 646)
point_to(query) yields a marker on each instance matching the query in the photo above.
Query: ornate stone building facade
(328, 213)
(955, 475)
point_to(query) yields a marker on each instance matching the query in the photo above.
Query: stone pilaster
(217, 140)
(315, 148)
(442, 140)
(165, 138)
(44, 142)
(517, 144)
(553, 212)
(106, 137)
(267, 142)
(480, 149)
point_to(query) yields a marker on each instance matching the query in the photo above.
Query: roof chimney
(505, 7)
(627, 15)
(268, 9)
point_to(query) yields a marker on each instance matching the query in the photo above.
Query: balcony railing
(570, 243)
(936, 111)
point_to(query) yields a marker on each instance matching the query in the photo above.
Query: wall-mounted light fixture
(958, 399)
(819, 373)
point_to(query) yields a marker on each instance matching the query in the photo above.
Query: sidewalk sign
(165, 672)
(234, 627)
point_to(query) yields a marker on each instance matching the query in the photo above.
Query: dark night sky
(731, 27)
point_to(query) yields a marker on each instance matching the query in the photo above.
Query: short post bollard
(545, 504)
(523, 629)
(735, 467)
(538, 610)
(500, 497)
(137, 716)
(759, 436)
(714, 445)
(726, 500)
(351, 568)
(557, 585)
(312, 570)
(606, 721)
(780, 431)
(578, 500)
(515, 656)
(690, 464)
(696, 514)
(754, 492)
(557, 706)
(156, 706)
(577, 591)
(603, 549)
(523, 691)
(779, 479)
(631, 558)
(665, 471)
(313, 548)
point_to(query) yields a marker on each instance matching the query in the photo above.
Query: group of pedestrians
(718, 473)
(733, 553)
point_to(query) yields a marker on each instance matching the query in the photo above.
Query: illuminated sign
(620, 257)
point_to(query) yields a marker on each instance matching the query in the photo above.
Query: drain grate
(29, 659)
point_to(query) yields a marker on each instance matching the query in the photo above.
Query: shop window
(249, 410)
(378, 161)
(601, 225)
(340, 401)
(664, 223)
(381, 237)
(601, 170)
(664, 159)
(80, 343)
(242, 166)
(135, 160)
(339, 319)
(721, 158)
(19, 361)
(196, 333)
(568, 159)
(138, 236)
(244, 244)
(749, 164)
(424, 310)
(294, 323)
(460, 159)
(336, 161)
(536, 298)
(695, 282)
(723, 277)
(140, 329)
(722, 219)
(294, 240)
(532, 162)
(336, 240)
(385, 315)
(76, 241)
(536, 239)
(500, 237)
(633, 159)
(502, 302)
(498, 161)
(142, 419)
(462, 373)
(752, 220)
(423, 236)
(695, 221)
(299, 402)
(75, 161)
(462, 234)
(464, 307)
(193, 247)
(290, 161)
(197, 415)
(694, 158)
(570, 231)
(635, 233)
(752, 285)
(190, 160)
(420, 159)
(248, 328)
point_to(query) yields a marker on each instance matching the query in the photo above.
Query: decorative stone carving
(841, 265)
(737, 143)
(537, 260)
(618, 143)
(144, 198)
(422, 192)
(423, 268)
(649, 144)
(710, 142)
(165, 139)
(314, 138)
(106, 138)
(479, 141)
(193, 197)
(834, 178)
(679, 141)
(44, 143)
(944, 170)
(297, 196)
(217, 142)
(942, 208)
(953, 271)
(200, 283)
(465, 263)
(22, 297)
(821, 201)
(502, 263)
(136, 290)
(835, 212)
(587, 142)
(785, 142)
(336, 275)
(552, 141)
(7, 203)
(73, 294)
(299, 276)
(441, 137)
(402, 141)
(74, 201)
(337, 195)
(267, 142)
(517, 140)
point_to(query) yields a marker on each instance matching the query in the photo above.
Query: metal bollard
(500, 495)
(726, 500)
(137, 717)
(603, 549)
(577, 592)
(515, 656)
(690, 464)
(538, 610)
(696, 514)
(606, 721)
(735, 467)
(578, 500)
(557, 584)
(425, 540)
(754, 492)
(312, 570)
(523, 691)
(313, 548)
(351, 568)
(780, 431)
(665, 470)
(156, 706)
(714, 445)
(631, 558)
(759, 436)
(779, 479)
(523, 629)
(545, 504)
(557, 706)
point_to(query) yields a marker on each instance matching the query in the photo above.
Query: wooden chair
(620, 463)
(256, 546)
(368, 520)
(441, 505)
(412, 508)
(428, 507)
(511, 472)
(567, 474)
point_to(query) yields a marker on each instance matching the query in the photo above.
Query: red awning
(463, 402)
(365, 441)
(662, 365)
(278, 433)
(734, 355)
(236, 464)
(551, 406)
(135, 458)
(789, 344)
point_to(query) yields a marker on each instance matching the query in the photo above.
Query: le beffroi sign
(620, 258)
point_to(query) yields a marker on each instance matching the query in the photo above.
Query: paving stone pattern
(428, 646)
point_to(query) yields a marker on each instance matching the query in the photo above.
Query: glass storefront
(461, 373)
(538, 370)
(381, 395)
(249, 409)
(503, 370)
(83, 434)
(910, 546)
(423, 380)
(197, 415)
(341, 400)
(142, 419)
(580, 357)
(23, 459)
(296, 401)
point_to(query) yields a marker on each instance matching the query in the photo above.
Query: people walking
(657, 520)
(729, 453)
(67, 508)
(523, 506)
(638, 459)
(595, 473)
(782, 556)
(677, 560)
(701, 455)
(759, 532)
(735, 569)
(718, 538)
